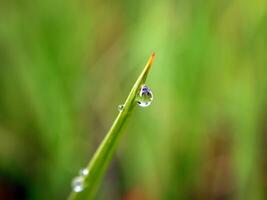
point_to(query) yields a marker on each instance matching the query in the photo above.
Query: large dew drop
(145, 96)
(78, 184)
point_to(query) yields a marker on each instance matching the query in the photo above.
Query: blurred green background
(66, 65)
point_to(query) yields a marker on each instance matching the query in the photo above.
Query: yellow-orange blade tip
(151, 60)
(152, 57)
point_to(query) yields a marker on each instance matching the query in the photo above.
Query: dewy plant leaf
(88, 183)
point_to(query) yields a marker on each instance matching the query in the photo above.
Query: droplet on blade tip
(145, 96)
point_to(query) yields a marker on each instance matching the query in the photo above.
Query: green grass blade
(104, 153)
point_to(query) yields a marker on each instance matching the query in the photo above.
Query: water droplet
(120, 107)
(78, 184)
(84, 172)
(144, 97)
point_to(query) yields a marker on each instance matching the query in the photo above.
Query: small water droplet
(78, 184)
(145, 96)
(84, 172)
(120, 107)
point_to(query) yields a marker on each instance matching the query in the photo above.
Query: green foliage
(104, 153)
(64, 63)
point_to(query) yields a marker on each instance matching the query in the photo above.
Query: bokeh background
(66, 65)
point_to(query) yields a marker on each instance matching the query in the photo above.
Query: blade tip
(152, 57)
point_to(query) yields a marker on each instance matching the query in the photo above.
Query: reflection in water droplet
(84, 172)
(120, 107)
(78, 184)
(145, 96)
